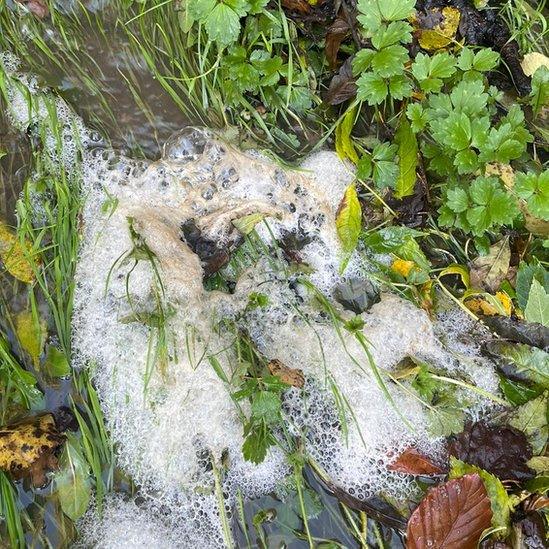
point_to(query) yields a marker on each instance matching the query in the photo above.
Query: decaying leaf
(437, 27)
(31, 334)
(348, 220)
(531, 333)
(451, 516)
(504, 171)
(342, 86)
(14, 256)
(502, 451)
(402, 267)
(36, 7)
(291, 376)
(482, 303)
(489, 271)
(531, 419)
(27, 448)
(343, 141)
(336, 33)
(413, 462)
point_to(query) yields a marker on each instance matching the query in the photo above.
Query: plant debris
(290, 376)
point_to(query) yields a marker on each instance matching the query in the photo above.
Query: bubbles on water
(187, 144)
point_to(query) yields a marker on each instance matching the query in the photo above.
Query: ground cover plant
(438, 108)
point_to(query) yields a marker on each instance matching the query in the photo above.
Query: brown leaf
(37, 7)
(336, 33)
(291, 376)
(489, 271)
(502, 451)
(412, 462)
(342, 86)
(27, 448)
(451, 516)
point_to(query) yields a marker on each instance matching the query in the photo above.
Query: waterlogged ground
(203, 346)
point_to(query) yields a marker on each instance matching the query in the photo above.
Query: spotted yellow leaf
(14, 256)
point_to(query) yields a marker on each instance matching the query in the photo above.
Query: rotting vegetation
(214, 348)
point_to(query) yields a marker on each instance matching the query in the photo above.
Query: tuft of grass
(10, 513)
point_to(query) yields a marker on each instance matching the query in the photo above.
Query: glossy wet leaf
(31, 333)
(513, 329)
(14, 256)
(451, 516)
(537, 307)
(413, 462)
(27, 448)
(348, 220)
(408, 159)
(489, 271)
(73, 481)
(502, 451)
(500, 502)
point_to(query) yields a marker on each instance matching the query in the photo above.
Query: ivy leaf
(371, 88)
(408, 159)
(537, 307)
(500, 501)
(223, 24)
(348, 220)
(73, 481)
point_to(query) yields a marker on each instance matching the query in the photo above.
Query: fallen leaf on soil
(290, 376)
(502, 451)
(31, 335)
(342, 85)
(413, 462)
(14, 256)
(27, 448)
(531, 333)
(504, 171)
(437, 27)
(451, 516)
(336, 33)
(533, 61)
(489, 271)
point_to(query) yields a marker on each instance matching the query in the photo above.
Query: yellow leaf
(14, 256)
(485, 304)
(348, 219)
(533, 61)
(459, 270)
(505, 300)
(503, 171)
(343, 142)
(31, 335)
(437, 28)
(402, 267)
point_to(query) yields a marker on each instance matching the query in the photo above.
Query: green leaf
(348, 220)
(485, 60)
(395, 32)
(400, 87)
(466, 57)
(73, 480)
(362, 61)
(525, 274)
(56, 363)
(469, 97)
(245, 225)
(528, 361)
(257, 442)
(500, 501)
(537, 307)
(371, 88)
(539, 97)
(393, 10)
(223, 25)
(408, 159)
(389, 61)
(457, 200)
(31, 333)
(531, 419)
(534, 189)
(417, 117)
(266, 406)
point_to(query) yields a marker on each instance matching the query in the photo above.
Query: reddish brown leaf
(337, 32)
(342, 86)
(291, 376)
(37, 7)
(413, 462)
(299, 6)
(502, 451)
(451, 516)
